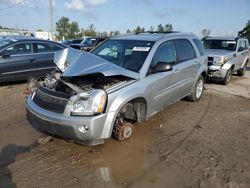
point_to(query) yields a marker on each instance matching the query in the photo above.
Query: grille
(210, 59)
(50, 100)
(210, 63)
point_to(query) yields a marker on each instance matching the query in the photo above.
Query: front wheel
(198, 90)
(228, 77)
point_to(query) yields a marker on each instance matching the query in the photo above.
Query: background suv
(226, 55)
(88, 43)
(126, 79)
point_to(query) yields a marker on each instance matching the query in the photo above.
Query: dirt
(204, 145)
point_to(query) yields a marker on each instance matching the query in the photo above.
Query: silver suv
(127, 79)
(226, 55)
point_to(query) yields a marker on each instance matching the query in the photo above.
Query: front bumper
(83, 130)
(216, 72)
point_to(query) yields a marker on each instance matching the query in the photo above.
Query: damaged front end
(76, 96)
(86, 94)
(79, 79)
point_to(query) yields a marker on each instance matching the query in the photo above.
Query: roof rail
(157, 32)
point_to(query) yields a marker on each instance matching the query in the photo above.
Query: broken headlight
(91, 103)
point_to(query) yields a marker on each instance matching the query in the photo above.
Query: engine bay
(73, 85)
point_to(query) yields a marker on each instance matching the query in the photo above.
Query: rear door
(45, 56)
(17, 62)
(188, 63)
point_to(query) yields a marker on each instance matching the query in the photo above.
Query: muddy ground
(204, 145)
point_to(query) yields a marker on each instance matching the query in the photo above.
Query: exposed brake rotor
(122, 130)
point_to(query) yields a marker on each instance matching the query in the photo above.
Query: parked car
(126, 79)
(70, 42)
(88, 43)
(226, 55)
(66, 42)
(25, 57)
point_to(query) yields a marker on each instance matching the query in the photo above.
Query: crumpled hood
(216, 52)
(78, 63)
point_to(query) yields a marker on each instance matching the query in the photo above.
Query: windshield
(220, 44)
(4, 42)
(66, 42)
(88, 41)
(128, 54)
(77, 41)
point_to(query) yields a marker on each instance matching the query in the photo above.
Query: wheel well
(134, 110)
(204, 74)
(232, 67)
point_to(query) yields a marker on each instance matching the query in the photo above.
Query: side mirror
(240, 49)
(5, 55)
(162, 67)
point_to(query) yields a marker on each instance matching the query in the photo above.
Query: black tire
(242, 71)
(228, 77)
(199, 85)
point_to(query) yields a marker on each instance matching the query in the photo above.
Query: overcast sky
(223, 17)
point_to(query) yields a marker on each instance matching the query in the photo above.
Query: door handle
(33, 60)
(176, 70)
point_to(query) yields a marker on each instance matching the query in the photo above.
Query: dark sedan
(22, 58)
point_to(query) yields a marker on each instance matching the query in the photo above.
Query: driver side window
(22, 48)
(165, 53)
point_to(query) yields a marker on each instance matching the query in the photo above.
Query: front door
(16, 61)
(164, 86)
(240, 54)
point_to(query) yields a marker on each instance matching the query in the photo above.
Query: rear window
(44, 47)
(185, 50)
(199, 46)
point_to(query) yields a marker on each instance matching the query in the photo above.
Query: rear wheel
(242, 71)
(198, 90)
(227, 77)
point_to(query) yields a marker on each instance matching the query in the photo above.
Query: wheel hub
(123, 131)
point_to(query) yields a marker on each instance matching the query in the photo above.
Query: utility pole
(51, 19)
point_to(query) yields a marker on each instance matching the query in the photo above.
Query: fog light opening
(83, 128)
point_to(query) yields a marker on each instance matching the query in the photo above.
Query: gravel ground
(203, 145)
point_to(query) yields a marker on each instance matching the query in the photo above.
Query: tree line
(245, 32)
(70, 29)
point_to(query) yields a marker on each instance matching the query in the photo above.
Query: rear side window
(199, 46)
(44, 47)
(185, 50)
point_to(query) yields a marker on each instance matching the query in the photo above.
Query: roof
(148, 36)
(17, 38)
(21, 38)
(223, 38)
